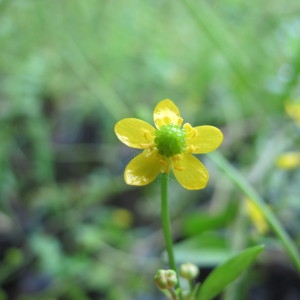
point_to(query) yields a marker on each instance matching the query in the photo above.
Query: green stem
(249, 191)
(166, 224)
(191, 286)
(173, 294)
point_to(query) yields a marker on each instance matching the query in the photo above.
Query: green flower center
(170, 140)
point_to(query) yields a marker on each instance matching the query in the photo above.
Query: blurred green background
(70, 228)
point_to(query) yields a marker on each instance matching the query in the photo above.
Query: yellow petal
(257, 217)
(293, 110)
(190, 172)
(143, 169)
(203, 139)
(166, 112)
(135, 133)
(289, 160)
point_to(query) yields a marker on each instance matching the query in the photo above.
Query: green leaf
(227, 272)
(206, 250)
(199, 221)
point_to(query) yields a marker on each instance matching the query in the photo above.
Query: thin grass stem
(240, 182)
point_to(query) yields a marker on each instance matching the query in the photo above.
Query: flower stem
(173, 294)
(166, 224)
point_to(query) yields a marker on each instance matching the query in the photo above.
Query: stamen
(190, 131)
(165, 166)
(148, 136)
(176, 166)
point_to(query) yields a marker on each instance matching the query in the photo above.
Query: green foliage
(227, 272)
(69, 226)
(206, 250)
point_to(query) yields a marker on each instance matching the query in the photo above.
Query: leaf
(227, 272)
(199, 222)
(206, 250)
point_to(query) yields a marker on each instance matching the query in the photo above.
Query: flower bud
(189, 271)
(165, 279)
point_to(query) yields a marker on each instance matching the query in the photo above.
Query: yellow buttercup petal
(135, 133)
(166, 112)
(190, 172)
(293, 110)
(202, 139)
(143, 168)
(257, 217)
(289, 160)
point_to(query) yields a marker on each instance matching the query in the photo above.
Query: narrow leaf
(227, 272)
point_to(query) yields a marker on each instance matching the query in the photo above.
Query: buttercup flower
(293, 111)
(290, 160)
(169, 146)
(257, 217)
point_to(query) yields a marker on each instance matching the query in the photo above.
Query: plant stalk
(240, 182)
(166, 224)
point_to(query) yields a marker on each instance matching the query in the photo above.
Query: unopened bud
(189, 271)
(165, 279)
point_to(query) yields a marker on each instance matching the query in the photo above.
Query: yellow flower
(288, 160)
(168, 147)
(293, 110)
(257, 217)
(122, 218)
